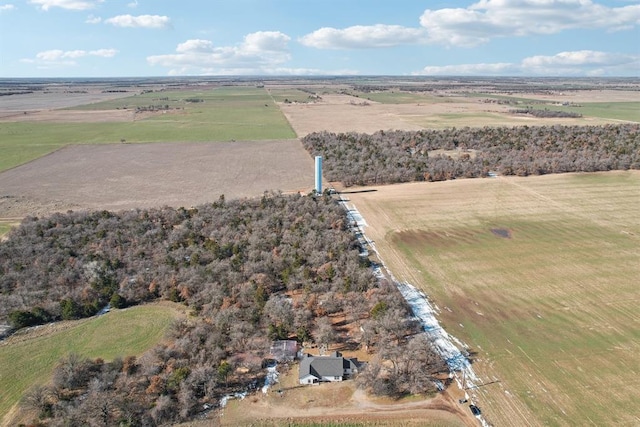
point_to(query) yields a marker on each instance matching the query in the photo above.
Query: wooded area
(402, 156)
(251, 270)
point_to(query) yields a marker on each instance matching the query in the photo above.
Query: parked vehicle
(475, 410)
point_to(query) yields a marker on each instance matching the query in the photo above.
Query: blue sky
(116, 38)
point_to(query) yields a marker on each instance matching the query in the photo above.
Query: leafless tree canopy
(236, 264)
(402, 156)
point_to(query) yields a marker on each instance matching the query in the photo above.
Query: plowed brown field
(127, 176)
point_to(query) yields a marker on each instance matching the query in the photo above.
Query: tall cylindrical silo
(319, 174)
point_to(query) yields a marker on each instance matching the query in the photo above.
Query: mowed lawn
(29, 360)
(539, 276)
(224, 114)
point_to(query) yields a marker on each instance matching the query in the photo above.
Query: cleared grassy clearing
(4, 228)
(551, 308)
(29, 360)
(239, 113)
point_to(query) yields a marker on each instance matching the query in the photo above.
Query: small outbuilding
(332, 368)
(284, 350)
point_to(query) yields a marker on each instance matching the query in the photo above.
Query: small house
(316, 369)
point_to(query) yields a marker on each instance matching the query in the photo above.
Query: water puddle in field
(501, 232)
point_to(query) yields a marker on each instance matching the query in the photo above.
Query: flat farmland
(194, 115)
(371, 112)
(538, 275)
(127, 176)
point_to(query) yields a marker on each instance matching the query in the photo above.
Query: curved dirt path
(341, 402)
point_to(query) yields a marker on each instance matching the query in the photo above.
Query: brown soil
(128, 176)
(57, 97)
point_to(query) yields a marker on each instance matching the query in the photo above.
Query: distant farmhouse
(316, 369)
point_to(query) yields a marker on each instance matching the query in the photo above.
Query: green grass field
(293, 95)
(539, 275)
(30, 361)
(629, 111)
(240, 113)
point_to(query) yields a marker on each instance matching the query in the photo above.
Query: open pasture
(197, 115)
(29, 358)
(537, 275)
(127, 176)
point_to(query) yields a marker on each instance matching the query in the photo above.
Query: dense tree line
(251, 270)
(402, 156)
(142, 109)
(546, 113)
(69, 265)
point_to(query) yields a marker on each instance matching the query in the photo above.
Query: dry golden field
(345, 113)
(539, 275)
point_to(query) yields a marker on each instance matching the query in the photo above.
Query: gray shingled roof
(325, 366)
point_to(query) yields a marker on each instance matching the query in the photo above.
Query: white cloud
(133, 4)
(93, 19)
(67, 4)
(195, 45)
(311, 72)
(499, 68)
(360, 36)
(487, 19)
(58, 57)
(480, 22)
(104, 53)
(141, 21)
(575, 63)
(6, 7)
(259, 53)
(583, 62)
(266, 41)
